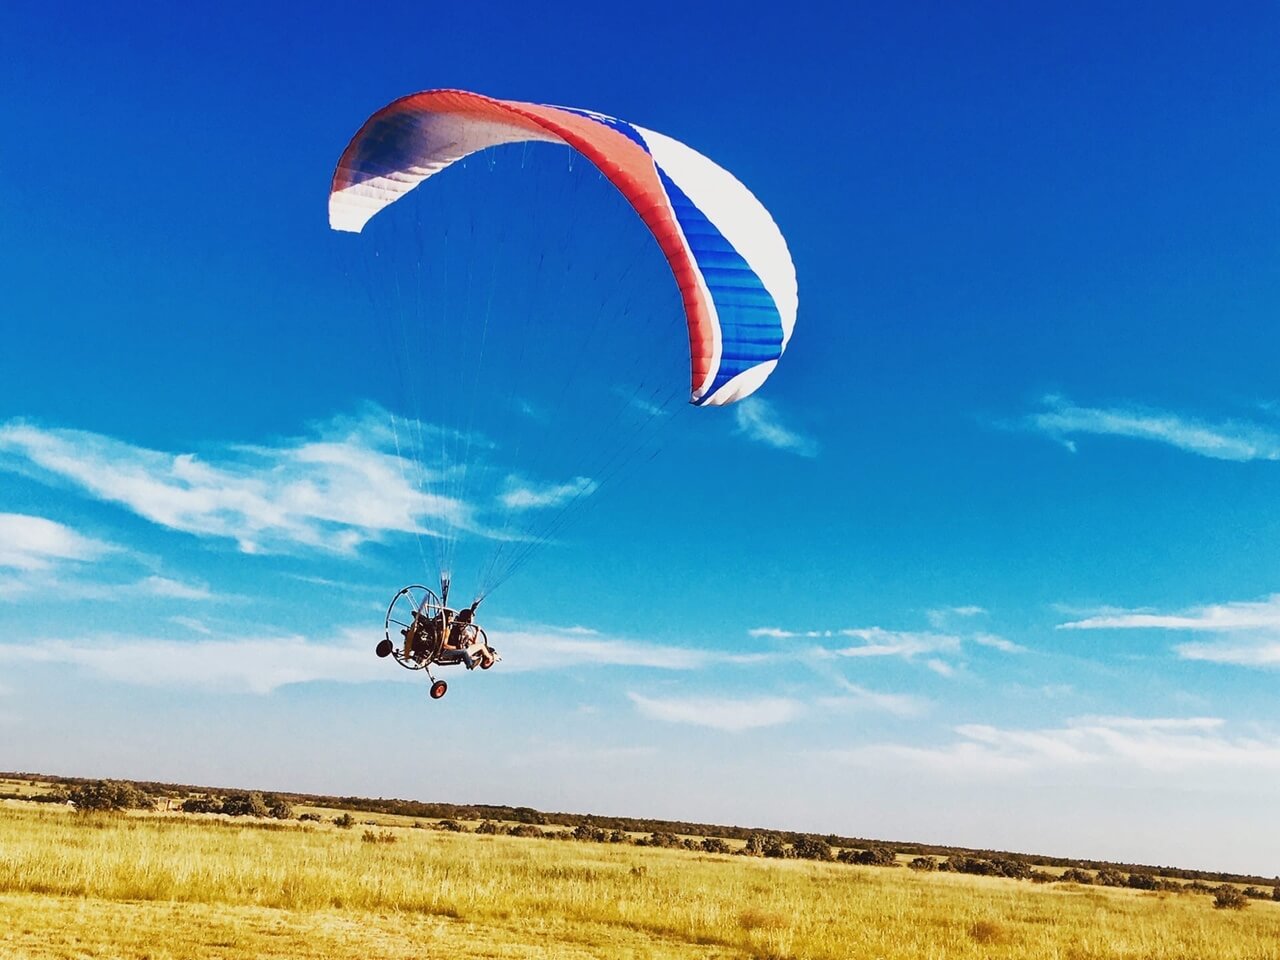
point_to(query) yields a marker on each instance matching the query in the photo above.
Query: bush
(1076, 875)
(1253, 893)
(590, 834)
(525, 830)
(489, 827)
(870, 857)
(1141, 881)
(754, 847)
(109, 795)
(245, 805)
(451, 826)
(812, 848)
(346, 821)
(714, 845)
(1227, 897)
(385, 836)
(1109, 877)
(923, 863)
(310, 817)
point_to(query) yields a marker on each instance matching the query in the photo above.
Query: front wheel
(438, 689)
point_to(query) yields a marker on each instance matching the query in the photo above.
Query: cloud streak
(1247, 631)
(757, 420)
(1161, 744)
(720, 713)
(332, 491)
(29, 543)
(1227, 440)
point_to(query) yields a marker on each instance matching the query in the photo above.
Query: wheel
(487, 662)
(439, 689)
(384, 648)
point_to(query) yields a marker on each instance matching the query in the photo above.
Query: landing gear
(439, 689)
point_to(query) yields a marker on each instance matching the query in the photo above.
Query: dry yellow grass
(169, 886)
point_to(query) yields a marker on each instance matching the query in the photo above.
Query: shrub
(619, 837)
(590, 834)
(244, 805)
(525, 830)
(109, 795)
(1109, 877)
(754, 847)
(1076, 875)
(923, 863)
(1227, 897)
(813, 848)
(384, 836)
(451, 826)
(489, 827)
(1254, 893)
(346, 821)
(310, 817)
(1141, 881)
(714, 845)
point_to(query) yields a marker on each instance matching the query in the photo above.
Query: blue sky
(1000, 529)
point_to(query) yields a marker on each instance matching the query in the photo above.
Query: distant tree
(1255, 893)
(923, 863)
(1110, 877)
(714, 845)
(870, 857)
(617, 836)
(451, 826)
(109, 795)
(309, 817)
(1275, 893)
(1076, 875)
(1141, 881)
(590, 834)
(776, 848)
(346, 821)
(754, 847)
(1227, 897)
(526, 830)
(201, 805)
(809, 847)
(488, 827)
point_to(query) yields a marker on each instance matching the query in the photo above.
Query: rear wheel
(438, 689)
(384, 648)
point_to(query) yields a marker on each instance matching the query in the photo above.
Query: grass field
(160, 886)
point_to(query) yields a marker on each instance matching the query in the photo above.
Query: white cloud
(332, 491)
(860, 698)
(879, 642)
(757, 420)
(1162, 744)
(777, 633)
(541, 647)
(1248, 630)
(997, 643)
(942, 617)
(1262, 653)
(30, 543)
(521, 495)
(1228, 440)
(1216, 618)
(720, 713)
(238, 664)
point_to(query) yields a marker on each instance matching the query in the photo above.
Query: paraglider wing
(730, 261)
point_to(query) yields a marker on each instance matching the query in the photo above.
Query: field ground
(168, 886)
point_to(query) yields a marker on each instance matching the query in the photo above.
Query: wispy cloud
(522, 495)
(857, 697)
(720, 713)
(30, 543)
(226, 664)
(878, 642)
(1229, 617)
(1227, 440)
(757, 420)
(997, 643)
(1166, 744)
(1247, 631)
(540, 646)
(331, 491)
